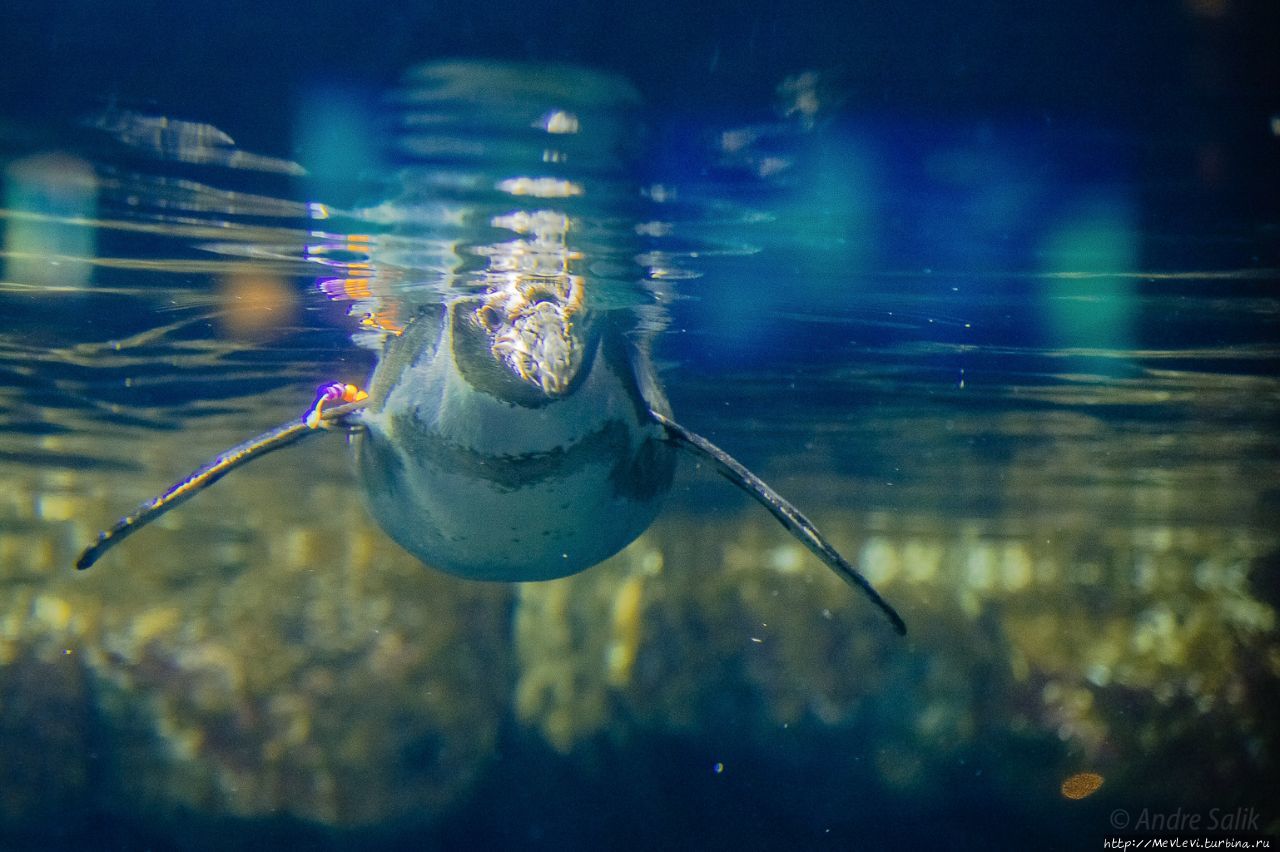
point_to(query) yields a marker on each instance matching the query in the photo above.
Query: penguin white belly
(480, 528)
(484, 487)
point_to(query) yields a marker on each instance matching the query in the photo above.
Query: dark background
(1200, 74)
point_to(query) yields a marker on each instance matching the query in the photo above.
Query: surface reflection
(513, 382)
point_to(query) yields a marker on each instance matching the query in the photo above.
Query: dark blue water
(991, 298)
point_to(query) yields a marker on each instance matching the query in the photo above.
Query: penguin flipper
(787, 514)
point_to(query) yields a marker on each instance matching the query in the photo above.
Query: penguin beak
(541, 346)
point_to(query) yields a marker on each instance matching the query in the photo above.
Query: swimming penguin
(489, 474)
(513, 428)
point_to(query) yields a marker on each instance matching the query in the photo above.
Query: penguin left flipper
(788, 515)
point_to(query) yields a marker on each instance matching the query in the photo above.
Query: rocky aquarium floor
(265, 663)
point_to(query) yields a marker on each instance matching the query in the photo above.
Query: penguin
(489, 472)
(514, 428)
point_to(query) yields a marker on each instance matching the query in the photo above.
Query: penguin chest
(487, 488)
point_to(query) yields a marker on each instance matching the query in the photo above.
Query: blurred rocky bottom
(249, 662)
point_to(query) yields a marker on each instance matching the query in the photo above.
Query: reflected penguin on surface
(513, 429)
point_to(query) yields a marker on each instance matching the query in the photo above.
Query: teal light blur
(335, 141)
(48, 239)
(834, 209)
(1088, 255)
(823, 230)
